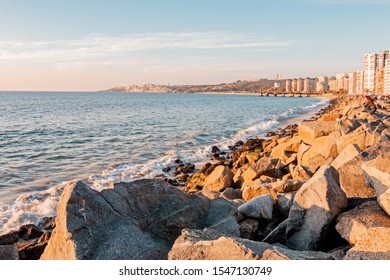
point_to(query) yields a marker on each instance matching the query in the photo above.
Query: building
(332, 84)
(288, 85)
(309, 85)
(294, 87)
(342, 83)
(300, 85)
(356, 82)
(386, 78)
(373, 63)
(322, 84)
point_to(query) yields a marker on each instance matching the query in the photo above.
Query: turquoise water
(47, 138)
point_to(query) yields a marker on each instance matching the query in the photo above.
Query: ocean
(49, 138)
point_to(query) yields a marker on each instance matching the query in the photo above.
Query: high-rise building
(322, 84)
(288, 85)
(372, 63)
(309, 85)
(332, 83)
(356, 82)
(386, 78)
(294, 87)
(342, 81)
(300, 85)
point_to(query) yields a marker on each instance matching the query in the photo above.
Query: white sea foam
(32, 207)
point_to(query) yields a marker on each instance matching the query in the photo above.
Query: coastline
(227, 184)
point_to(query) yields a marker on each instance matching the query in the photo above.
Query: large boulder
(260, 207)
(310, 130)
(8, 252)
(378, 174)
(209, 245)
(353, 180)
(346, 155)
(357, 137)
(220, 179)
(137, 220)
(367, 228)
(322, 149)
(315, 206)
(290, 146)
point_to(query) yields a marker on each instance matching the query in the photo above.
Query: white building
(372, 63)
(309, 85)
(356, 82)
(322, 84)
(387, 77)
(288, 85)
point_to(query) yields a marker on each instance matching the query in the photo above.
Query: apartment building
(386, 78)
(356, 82)
(373, 63)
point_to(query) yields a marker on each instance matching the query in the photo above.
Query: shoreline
(295, 169)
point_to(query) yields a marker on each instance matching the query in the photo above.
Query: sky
(85, 45)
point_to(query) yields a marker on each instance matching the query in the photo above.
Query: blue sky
(92, 45)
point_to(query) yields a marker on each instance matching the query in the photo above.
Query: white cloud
(97, 46)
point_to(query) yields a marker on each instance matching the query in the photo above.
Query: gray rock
(248, 228)
(8, 252)
(219, 210)
(259, 207)
(315, 206)
(228, 227)
(138, 220)
(278, 235)
(285, 202)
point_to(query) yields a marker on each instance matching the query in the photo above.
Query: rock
(219, 210)
(248, 228)
(137, 220)
(232, 194)
(31, 250)
(237, 179)
(227, 227)
(310, 130)
(303, 148)
(266, 179)
(265, 166)
(367, 227)
(220, 179)
(289, 146)
(252, 157)
(356, 137)
(348, 153)
(284, 186)
(322, 149)
(278, 235)
(378, 174)
(330, 117)
(182, 177)
(285, 202)
(215, 149)
(201, 245)
(260, 207)
(315, 206)
(251, 192)
(8, 252)
(301, 173)
(280, 253)
(352, 179)
(345, 125)
(286, 159)
(195, 182)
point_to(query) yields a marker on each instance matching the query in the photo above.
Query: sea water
(49, 138)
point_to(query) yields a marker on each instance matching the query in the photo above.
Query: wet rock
(315, 206)
(215, 149)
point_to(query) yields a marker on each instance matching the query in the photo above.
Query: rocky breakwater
(317, 190)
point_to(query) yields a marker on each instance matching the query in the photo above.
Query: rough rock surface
(310, 130)
(137, 220)
(265, 166)
(315, 206)
(220, 179)
(367, 227)
(346, 155)
(260, 207)
(8, 252)
(378, 175)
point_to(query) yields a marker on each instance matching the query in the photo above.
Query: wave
(33, 207)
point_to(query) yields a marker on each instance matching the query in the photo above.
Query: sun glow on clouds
(98, 46)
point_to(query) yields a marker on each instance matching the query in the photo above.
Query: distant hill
(251, 86)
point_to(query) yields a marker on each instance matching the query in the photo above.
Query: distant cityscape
(374, 78)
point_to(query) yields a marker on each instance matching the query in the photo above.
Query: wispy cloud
(100, 46)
